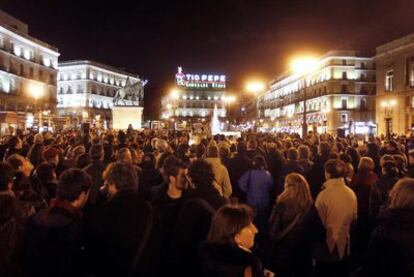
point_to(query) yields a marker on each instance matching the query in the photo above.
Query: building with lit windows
(195, 97)
(86, 90)
(28, 70)
(395, 86)
(339, 93)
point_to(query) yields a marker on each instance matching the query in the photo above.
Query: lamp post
(174, 95)
(255, 87)
(388, 107)
(302, 67)
(36, 91)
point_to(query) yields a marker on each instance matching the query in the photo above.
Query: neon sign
(200, 80)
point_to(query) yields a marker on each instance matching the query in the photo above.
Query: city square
(207, 138)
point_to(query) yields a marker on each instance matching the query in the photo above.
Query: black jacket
(391, 248)
(115, 230)
(221, 260)
(53, 245)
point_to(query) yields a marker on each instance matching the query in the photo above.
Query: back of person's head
(227, 222)
(366, 164)
(72, 183)
(324, 149)
(259, 162)
(251, 144)
(292, 154)
(200, 151)
(16, 161)
(161, 145)
(201, 174)
(6, 176)
(124, 155)
(148, 161)
(296, 193)
(304, 152)
(122, 175)
(241, 147)
(389, 168)
(212, 151)
(224, 151)
(400, 160)
(402, 195)
(96, 152)
(82, 160)
(45, 172)
(172, 165)
(335, 169)
(122, 137)
(345, 158)
(13, 142)
(38, 138)
(162, 158)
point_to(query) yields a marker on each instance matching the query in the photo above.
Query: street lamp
(255, 87)
(388, 107)
(36, 91)
(174, 95)
(303, 66)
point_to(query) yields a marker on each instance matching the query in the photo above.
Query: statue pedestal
(122, 116)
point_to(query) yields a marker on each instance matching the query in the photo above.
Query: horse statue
(134, 92)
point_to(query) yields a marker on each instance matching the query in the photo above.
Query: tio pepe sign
(200, 80)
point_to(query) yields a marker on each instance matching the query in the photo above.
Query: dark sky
(239, 38)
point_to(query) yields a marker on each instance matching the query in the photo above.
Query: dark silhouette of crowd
(173, 203)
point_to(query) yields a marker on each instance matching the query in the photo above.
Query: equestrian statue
(130, 92)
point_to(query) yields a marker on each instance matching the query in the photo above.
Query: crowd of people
(162, 203)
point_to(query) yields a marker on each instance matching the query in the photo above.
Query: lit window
(389, 80)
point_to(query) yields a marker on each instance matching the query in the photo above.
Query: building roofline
(97, 64)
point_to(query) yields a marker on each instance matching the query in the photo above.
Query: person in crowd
(401, 161)
(14, 145)
(222, 178)
(355, 157)
(373, 151)
(257, 184)
(51, 155)
(123, 233)
(337, 207)
(183, 153)
(95, 169)
(294, 226)
(200, 204)
(305, 159)
(378, 199)
(410, 167)
(35, 154)
(12, 224)
(228, 248)
(346, 158)
(168, 204)
(292, 164)
(54, 236)
(238, 165)
(252, 149)
(150, 176)
(391, 247)
(317, 176)
(45, 174)
(390, 148)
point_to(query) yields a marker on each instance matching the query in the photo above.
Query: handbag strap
(145, 237)
(288, 228)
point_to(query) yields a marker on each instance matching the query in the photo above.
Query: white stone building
(86, 90)
(340, 95)
(28, 70)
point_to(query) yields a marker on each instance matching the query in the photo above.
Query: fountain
(215, 125)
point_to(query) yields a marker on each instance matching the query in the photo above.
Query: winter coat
(378, 198)
(238, 165)
(256, 184)
(291, 255)
(361, 184)
(53, 244)
(222, 176)
(221, 260)
(115, 230)
(391, 247)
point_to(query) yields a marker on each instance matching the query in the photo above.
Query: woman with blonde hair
(293, 220)
(391, 248)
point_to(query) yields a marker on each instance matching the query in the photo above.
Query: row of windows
(94, 76)
(80, 89)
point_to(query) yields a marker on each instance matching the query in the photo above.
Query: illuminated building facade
(195, 97)
(395, 86)
(340, 97)
(28, 70)
(86, 90)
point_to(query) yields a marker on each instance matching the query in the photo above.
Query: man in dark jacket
(237, 166)
(95, 170)
(123, 233)
(54, 238)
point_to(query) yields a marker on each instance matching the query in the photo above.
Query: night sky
(239, 38)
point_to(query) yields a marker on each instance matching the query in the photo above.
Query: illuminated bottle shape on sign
(200, 81)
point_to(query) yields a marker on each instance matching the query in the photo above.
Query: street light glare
(36, 90)
(174, 94)
(255, 87)
(303, 65)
